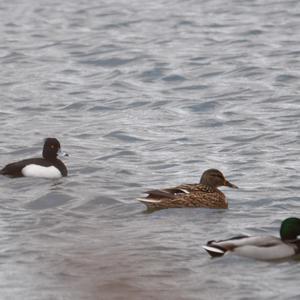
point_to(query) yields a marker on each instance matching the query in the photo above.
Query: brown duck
(204, 194)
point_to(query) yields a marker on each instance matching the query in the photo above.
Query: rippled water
(142, 95)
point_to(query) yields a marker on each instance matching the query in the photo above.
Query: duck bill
(62, 153)
(229, 184)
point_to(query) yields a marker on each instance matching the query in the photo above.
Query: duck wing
(173, 192)
(170, 193)
(160, 194)
(155, 197)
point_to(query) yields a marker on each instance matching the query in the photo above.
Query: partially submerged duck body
(204, 194)
(48, 166)
(261, 247)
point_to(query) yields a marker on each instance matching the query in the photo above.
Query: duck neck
(205, 182)
(49, 155)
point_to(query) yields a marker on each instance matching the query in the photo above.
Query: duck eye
(52, 146)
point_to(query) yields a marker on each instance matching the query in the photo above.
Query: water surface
(145, 95)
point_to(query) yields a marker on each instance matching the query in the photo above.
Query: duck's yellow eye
(52, 146)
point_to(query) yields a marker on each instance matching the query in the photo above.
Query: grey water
(147, 94)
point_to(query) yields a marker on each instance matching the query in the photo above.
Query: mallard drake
(261, 247)
(204, 194)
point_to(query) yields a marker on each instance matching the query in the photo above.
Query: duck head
(52, 149)
(215, 178)
(290, 229)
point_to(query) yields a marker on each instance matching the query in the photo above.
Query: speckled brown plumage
(204, 194)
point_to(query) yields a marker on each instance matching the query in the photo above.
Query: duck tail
(150, 203)
(3, 171)
(214, 250)
(155, 196)
(147, 200)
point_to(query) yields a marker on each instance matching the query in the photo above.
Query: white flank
(40, 171)
(212, 249)
(148, 200)
(265, 253)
